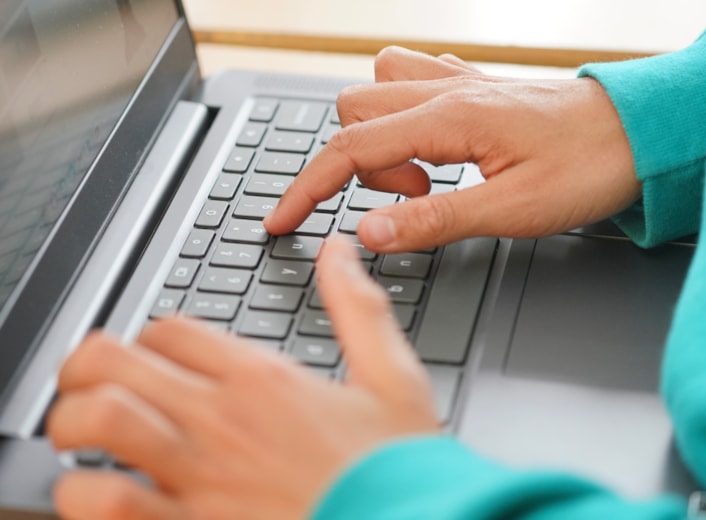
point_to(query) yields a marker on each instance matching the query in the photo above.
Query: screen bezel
(172, 76)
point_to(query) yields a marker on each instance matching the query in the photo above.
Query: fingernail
(379, 229)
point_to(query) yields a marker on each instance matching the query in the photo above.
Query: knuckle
(448, 56)
(344, 143)
(343, 140)
(106, 411)
(86, 359)
(348, 104)
(433, 217)
(462, 67)
(385, 61)
(461, 98)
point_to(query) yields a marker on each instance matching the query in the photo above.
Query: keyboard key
(223, 280)
(322, 372)
(211, 214)
(245, 231)
(251, 135)
(213, 306)
(197, 243)
(277, 298)
(295, 247)
(410, 265)
(438, 188)
(264, 109)
(302, 116)
(349, 222)
(315, 301)
(316, 224)
(217, 326)
(329, 131)
(316, 323)
(225, 187)
(92, 458)
(254, 207)
(239, 160)
(472, 175)
(260, 324)
(279, 162)
(183, 273)
(168, 303)
(316, 351)
(404, 314)
(295, 142)
(365, 254)
(365, 199)
(447, 173)
(402, 290)
(287, 272)
(457, 291)
(268, 184)
(237, 255)
(331, 205)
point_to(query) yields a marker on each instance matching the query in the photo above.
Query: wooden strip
(466, 51)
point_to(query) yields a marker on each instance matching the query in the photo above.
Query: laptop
(131, 189)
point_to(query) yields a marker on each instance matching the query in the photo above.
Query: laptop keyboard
(237, 278)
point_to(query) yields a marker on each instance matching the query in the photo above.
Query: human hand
(227, 429)
(553, 152)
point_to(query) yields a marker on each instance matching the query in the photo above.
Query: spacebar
(455, 298)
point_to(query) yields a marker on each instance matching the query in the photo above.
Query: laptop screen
(68, 70)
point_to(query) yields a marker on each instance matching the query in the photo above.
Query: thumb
(376, 351)
(505, 206)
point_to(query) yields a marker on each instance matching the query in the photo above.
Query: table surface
(623, 26)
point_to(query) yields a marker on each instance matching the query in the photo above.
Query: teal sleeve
(438, 478)
(684, 365)
(661, 101)
(662, 104)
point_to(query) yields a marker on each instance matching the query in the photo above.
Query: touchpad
(596, 311)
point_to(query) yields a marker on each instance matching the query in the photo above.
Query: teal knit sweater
(662, 104)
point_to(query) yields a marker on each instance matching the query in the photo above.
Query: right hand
(553, 152)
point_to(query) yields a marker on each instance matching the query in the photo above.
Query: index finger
(348, 152)
(378, 144)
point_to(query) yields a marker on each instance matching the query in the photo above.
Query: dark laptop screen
(67, 70)
(84, 87)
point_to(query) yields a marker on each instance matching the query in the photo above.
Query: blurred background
(340, 36)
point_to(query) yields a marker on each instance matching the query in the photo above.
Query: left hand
(227, 429)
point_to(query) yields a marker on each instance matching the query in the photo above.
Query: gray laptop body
(114, 158)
